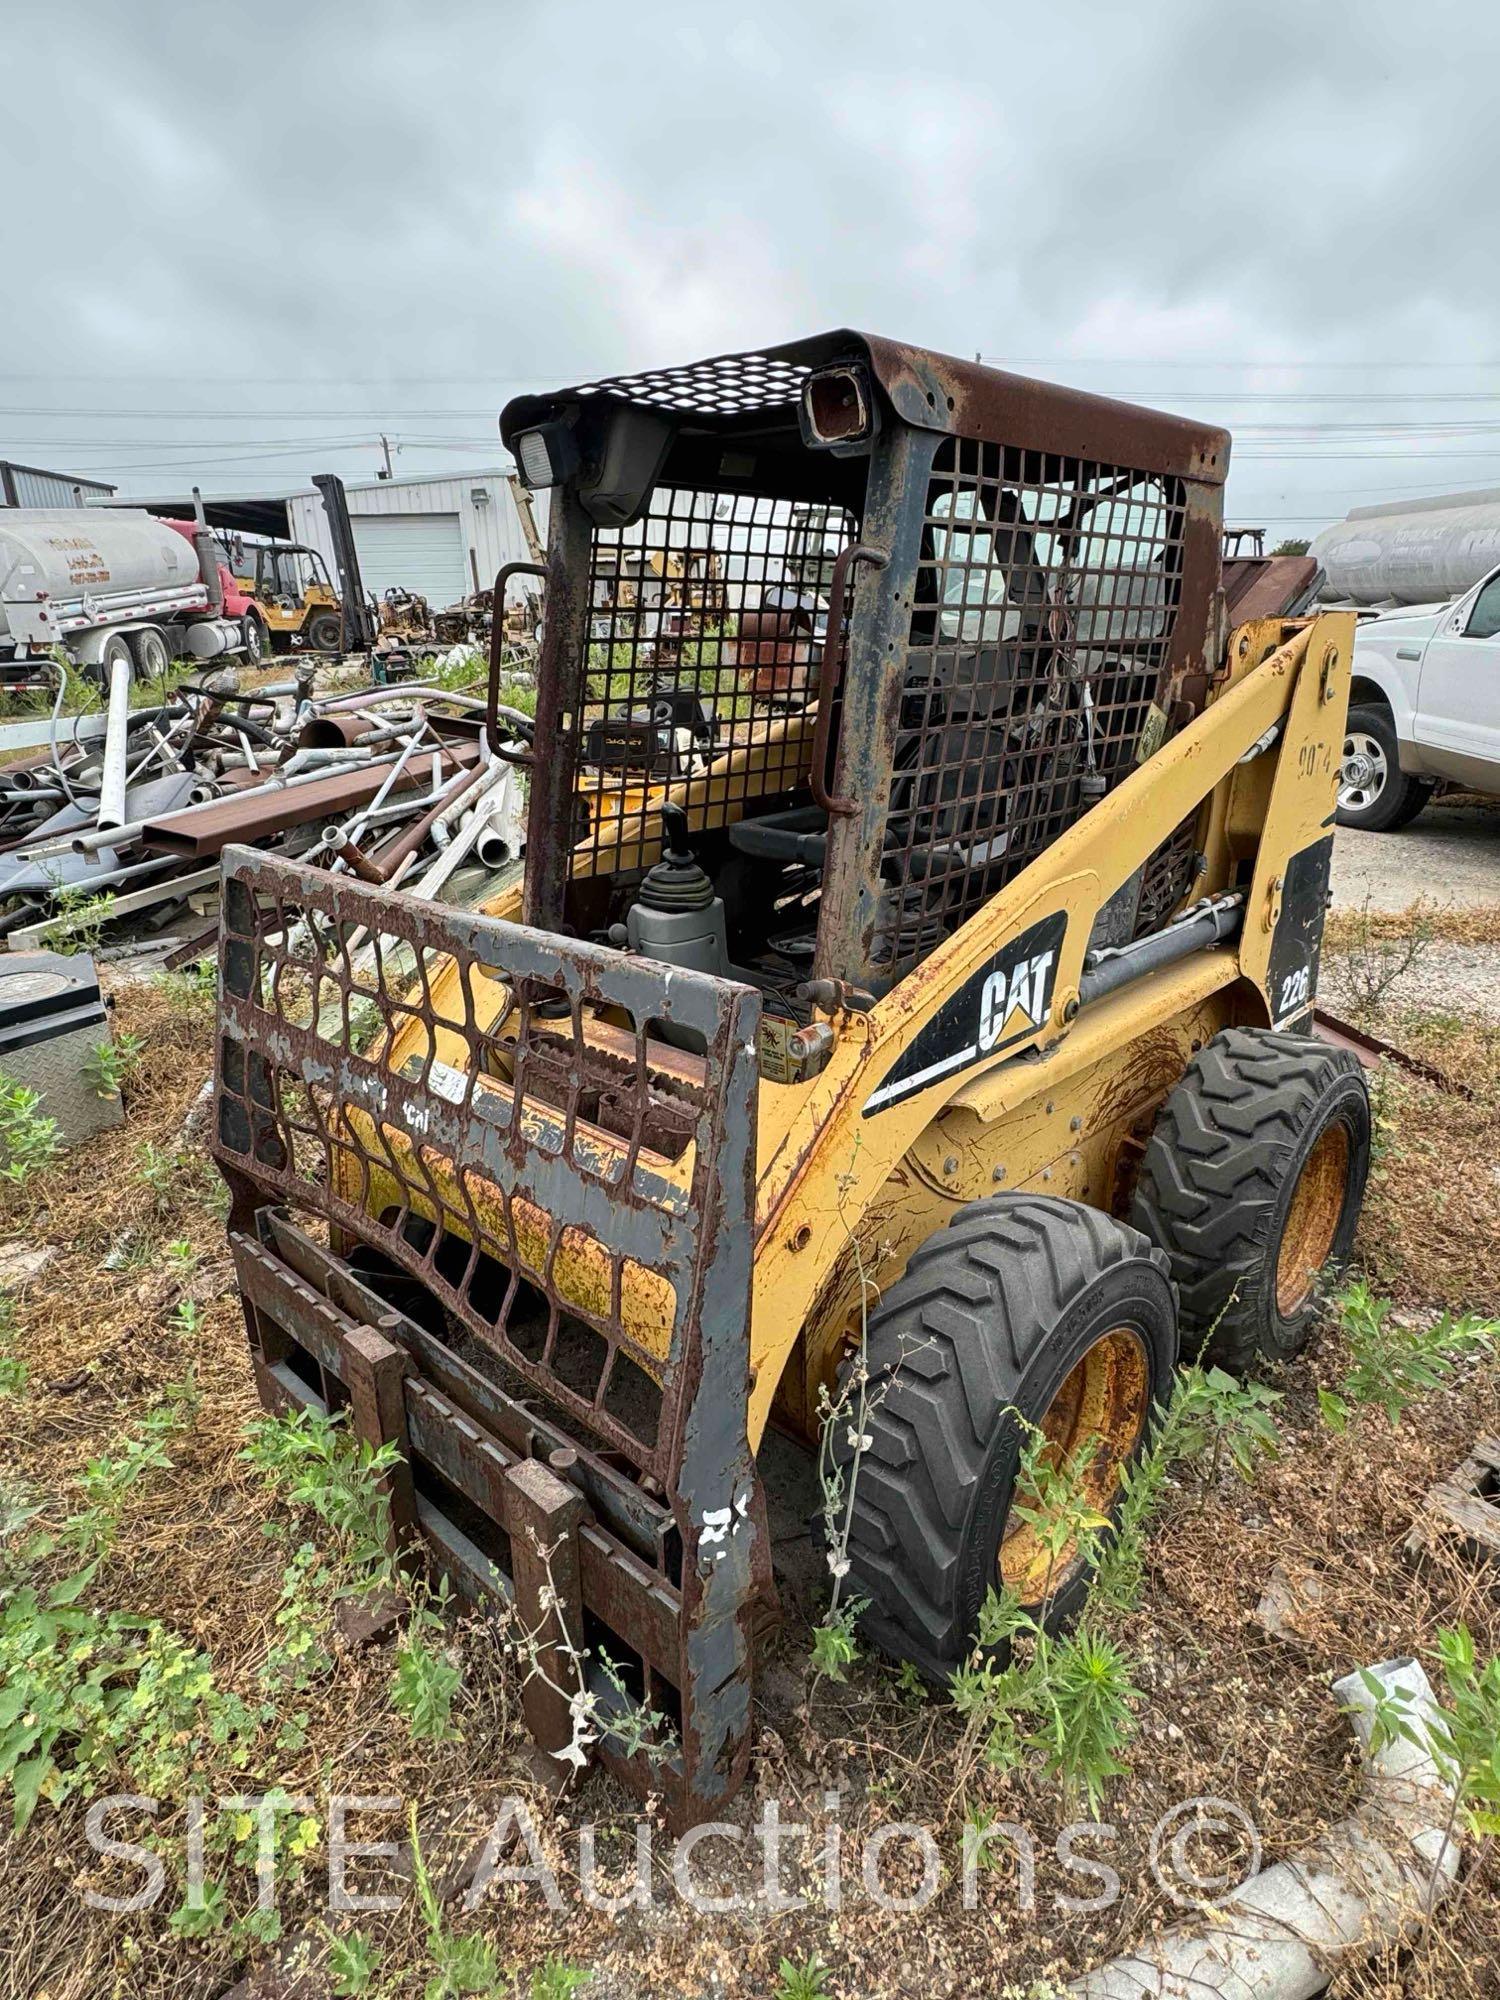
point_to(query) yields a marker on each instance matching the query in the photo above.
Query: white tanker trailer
(115, 585)
(1410, 551)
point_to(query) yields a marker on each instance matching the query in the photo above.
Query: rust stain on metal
(514, 1175)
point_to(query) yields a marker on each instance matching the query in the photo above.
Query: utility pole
(385, 446)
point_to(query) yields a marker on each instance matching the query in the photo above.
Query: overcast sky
(241, 241)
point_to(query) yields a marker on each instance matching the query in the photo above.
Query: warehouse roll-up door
(420, 552)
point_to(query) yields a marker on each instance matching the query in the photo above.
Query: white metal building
(442, 537)
(31, 486)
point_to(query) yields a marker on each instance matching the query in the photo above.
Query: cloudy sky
(239, 243)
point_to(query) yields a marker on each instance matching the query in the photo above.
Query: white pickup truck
(1424, 706)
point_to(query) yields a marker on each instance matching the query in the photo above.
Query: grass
(1351, 928)
(1214, 1706)
(1374, 957)
(80, 920)
(85, 694)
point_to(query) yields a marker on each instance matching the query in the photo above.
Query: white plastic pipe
(112, 778)
(494, 846)
(1354, 1891)
(459, 847)
(443, 826)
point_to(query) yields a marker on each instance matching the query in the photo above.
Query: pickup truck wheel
(1374, 791)
(1025, 1313)
(1252, 1182)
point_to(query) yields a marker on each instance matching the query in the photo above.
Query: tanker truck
(1424, 704)
(110, 585)
(1404, 552)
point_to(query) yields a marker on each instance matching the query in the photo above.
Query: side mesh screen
(704, 652)
(1047, 591)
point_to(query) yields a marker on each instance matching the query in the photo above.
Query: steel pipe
(406, 843)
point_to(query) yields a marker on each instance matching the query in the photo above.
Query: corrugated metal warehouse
(30, 486)
(442, 537)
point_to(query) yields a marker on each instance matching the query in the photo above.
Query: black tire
(257, 640)
(153, 656)
(1258, 1119)
(1019, 1297)
(325, 632)
(115, 647)
(1387, 798)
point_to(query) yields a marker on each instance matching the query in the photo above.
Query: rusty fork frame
(446, 1312)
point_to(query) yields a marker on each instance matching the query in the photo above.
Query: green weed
(28, 1139)
(803, 1979)
(353, 1962)
(187, 1317)
(557, 1980)
(158, 1170)
(1392, 1365)
(204, 1917)
(424, 1686)
(1069, 1701)
(834, 1649)
(110, 1065)
(13, 1371)
(1463, 1739)
(83, 1694)
(1211, 1419)
(462, 1965)
(313, 1461)
(79, 920)
(111, 1477)
(192, 992)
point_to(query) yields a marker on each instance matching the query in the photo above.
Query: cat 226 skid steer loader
(916, 956)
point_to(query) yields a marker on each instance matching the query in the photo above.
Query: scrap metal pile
(124, 815)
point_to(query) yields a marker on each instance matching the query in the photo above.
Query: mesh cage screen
(1168, 876)
(496, 1118)
(1047, 590)
(706, 626)
(731, 385)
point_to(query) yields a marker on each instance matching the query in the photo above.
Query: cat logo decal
(1004, 1002)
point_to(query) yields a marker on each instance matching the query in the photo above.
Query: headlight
(547, 455)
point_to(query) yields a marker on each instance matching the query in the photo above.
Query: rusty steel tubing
(333, 732)
(262, 811)
(833, 648)
(411, 838)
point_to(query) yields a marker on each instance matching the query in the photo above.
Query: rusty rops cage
(775, 578)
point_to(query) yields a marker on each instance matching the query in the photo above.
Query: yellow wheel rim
(1312, 1221)
(1103, 1404)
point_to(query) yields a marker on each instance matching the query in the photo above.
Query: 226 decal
(1003, 1002)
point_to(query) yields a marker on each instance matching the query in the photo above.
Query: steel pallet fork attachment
(642, 1547)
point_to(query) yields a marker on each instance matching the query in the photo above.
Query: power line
(1196, 361)
(582, 374)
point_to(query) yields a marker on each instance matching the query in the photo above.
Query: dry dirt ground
(1447, 864)
(1222, 1708)
(1450, 854)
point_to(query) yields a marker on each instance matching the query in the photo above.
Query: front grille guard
(494, 1116)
